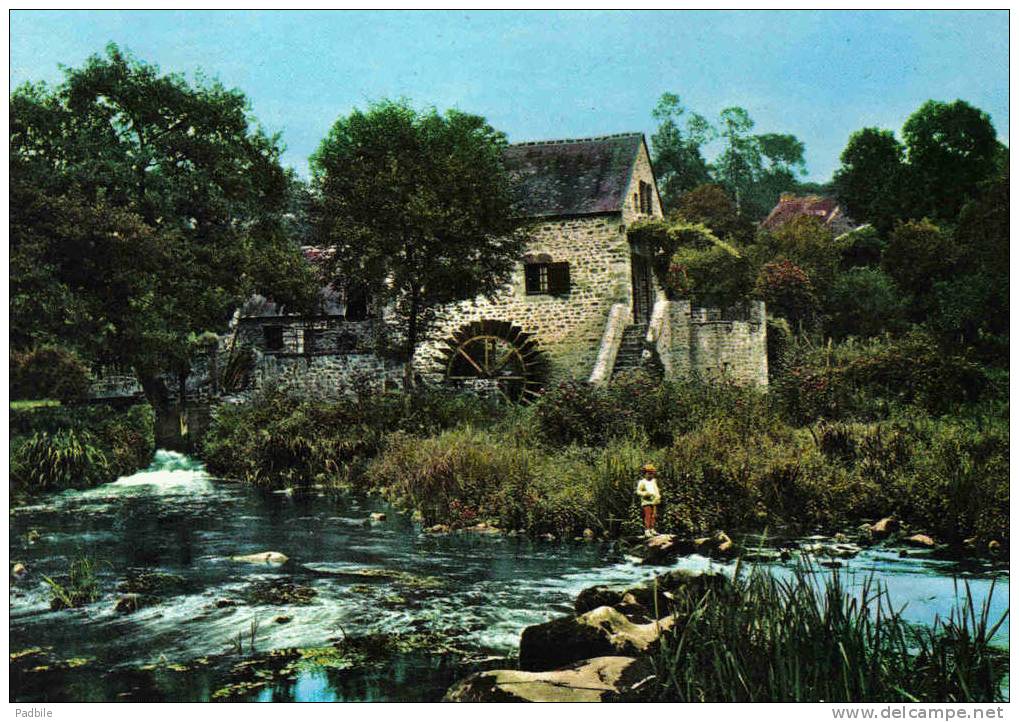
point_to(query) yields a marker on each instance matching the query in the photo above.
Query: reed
(809, 639)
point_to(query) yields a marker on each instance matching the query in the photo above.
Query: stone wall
(568, 328)
(712, 344)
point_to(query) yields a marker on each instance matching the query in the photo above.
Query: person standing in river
(650, 498)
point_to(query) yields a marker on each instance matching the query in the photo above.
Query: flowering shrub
(786, 290)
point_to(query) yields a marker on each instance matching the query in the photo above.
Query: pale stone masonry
(579, 301)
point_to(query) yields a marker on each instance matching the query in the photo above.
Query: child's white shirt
(647, 490)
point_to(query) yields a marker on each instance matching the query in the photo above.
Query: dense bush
(54, 448)
(870, 379)
(279, 438)
(864, 302)
(787, 291)
(466, 476)
(48, 372)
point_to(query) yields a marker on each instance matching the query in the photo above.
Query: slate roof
(577, 177)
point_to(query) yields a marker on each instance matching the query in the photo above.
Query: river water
(368, 578)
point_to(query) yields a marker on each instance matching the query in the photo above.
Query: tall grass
(808, 639)
(66, 459)
(55, 448)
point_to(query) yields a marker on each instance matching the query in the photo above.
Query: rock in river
(884, 527)
(262, 558)
(592, 680)
(603, 631)
(921, 540)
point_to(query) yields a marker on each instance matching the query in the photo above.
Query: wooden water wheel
(497, 356)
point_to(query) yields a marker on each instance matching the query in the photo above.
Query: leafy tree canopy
(868, 181)
(418, 207)
(951, 148)
(676, 148)
(152, 202)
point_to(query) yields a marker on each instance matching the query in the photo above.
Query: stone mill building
(583, 302)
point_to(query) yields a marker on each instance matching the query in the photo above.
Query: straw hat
(649, 467)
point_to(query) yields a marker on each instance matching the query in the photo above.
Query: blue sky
(541, 74)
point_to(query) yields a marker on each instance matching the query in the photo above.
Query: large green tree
(755, 169)
(951, 149)
(869, 179)
(153, 204)
(676, 148)
(419, 210)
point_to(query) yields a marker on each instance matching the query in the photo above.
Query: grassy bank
(728, 457)
(76, 447)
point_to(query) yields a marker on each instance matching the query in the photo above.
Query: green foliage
(55, 448)
(869, 180)
(870, 379)
(971, 306)
(808, 243)
(710, 205)
(68, 459)
(79, 588)
(144, 209)
(951, 148)
(689, 261)
(418, 208)
(48, 372)
(279, 439)
(919, 254)
(676, 149)
(864, 302)
(860, 247)
(810, 639)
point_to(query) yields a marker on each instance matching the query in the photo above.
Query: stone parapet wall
(712, 344)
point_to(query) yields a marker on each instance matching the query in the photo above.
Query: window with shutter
(536, 278)
(559, 279)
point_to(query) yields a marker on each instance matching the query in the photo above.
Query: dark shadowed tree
(711, 205)
(165, 206)
(868, 181)
(918, 255)
(676, 149)
(951, 149)
(418, 208)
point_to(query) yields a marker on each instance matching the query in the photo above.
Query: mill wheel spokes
(495, 355)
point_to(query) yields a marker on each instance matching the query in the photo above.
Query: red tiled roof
(790, 206)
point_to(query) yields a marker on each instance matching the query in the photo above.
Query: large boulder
(662, 549)
(603, 631)
(884, 528)
(921, 540)
(717, 545)
(602, 679)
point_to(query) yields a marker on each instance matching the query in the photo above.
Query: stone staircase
(631, 348)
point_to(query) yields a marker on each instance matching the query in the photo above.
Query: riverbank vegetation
(728, 457)
(810, 639)
(76, 447)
